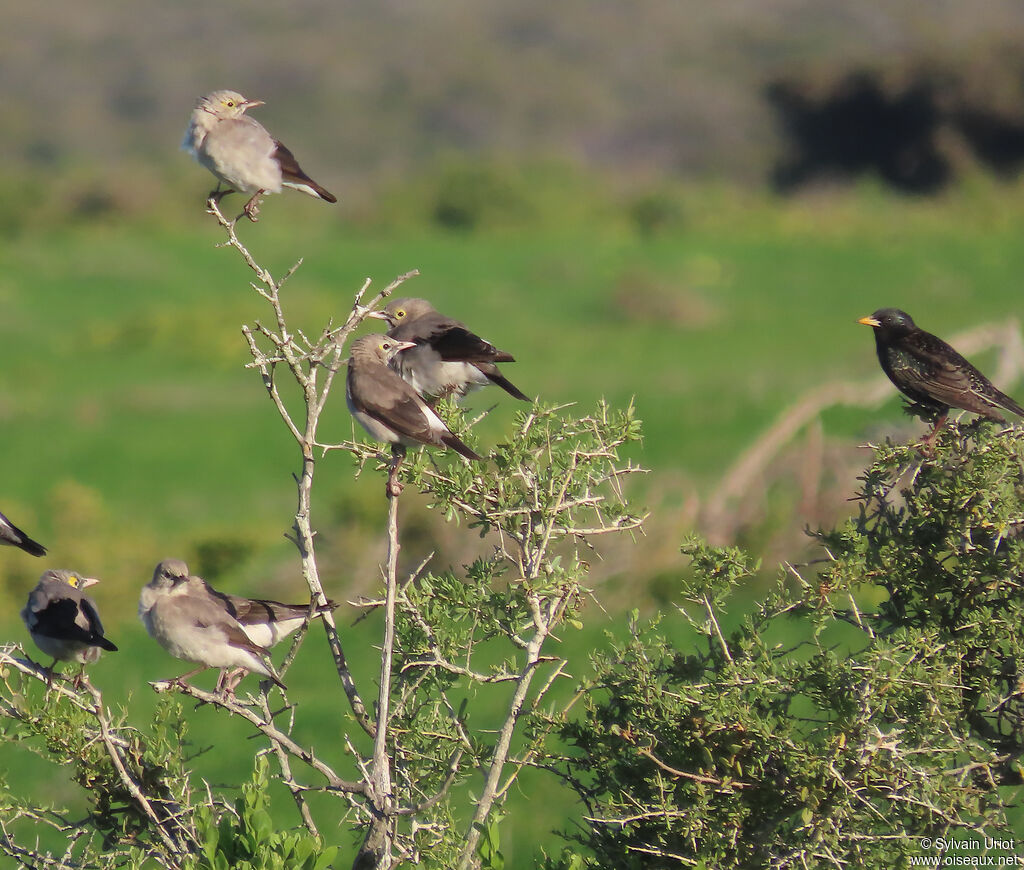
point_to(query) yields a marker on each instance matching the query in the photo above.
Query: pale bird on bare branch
(240, 152)
(193, 621)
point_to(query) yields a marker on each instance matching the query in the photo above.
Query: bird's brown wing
(254, 611)
(203, 607)
(380, 393)
(291, 172)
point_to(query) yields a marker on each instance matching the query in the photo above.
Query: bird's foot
(252, 208)
(395, 486)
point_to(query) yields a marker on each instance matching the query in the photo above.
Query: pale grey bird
(240, 152)
(182, 614)
(388, 408)
(12, 536)
(63, 621)
(447, 358)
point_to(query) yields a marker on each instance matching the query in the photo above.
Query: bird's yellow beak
(869, 321)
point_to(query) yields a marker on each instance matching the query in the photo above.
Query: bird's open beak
(869, 321)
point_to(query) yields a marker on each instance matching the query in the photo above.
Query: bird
(63, 621)
(268, 622)
(12, 536)
(448, 358)
(931, 373)
(191, 621)
(240, 152)
(388, 408)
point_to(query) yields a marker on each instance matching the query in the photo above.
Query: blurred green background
(684, 203)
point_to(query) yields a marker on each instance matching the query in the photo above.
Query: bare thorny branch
(175, 838)
(305, 365)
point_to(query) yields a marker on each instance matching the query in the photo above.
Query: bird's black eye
(400, 312)
(229, 103)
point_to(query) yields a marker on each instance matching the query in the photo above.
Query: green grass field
(133, 432)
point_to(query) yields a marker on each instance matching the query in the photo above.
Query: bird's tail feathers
(500, 380)
(307, 185)
(458, 446)
(1006, 402)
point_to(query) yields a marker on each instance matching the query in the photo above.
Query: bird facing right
(388, 408)
(63, 621)
(931, 373)
(240, 152)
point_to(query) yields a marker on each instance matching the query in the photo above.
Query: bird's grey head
(169, 573)
(71, 578)
(890, 322)
(407, 309)
(226, 104)
(378, 348)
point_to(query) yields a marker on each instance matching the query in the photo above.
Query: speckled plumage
(928, 371)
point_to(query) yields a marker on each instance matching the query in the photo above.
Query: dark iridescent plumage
(930, 372)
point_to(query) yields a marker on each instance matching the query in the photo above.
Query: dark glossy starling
(929, 372)
(388, 408)
(448, 359)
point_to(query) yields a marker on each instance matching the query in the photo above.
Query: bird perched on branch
(929, 372)
(388, 408)
(193, 621)
(240, 152)
(63, 620)
(12, 536)
(447, 358)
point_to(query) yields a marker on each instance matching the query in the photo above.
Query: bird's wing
(931, 366)
(57, 615)
(381, 394)
(292, 173)
(254, 611)
(452, 340)
(89, 618)
(202, 612)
